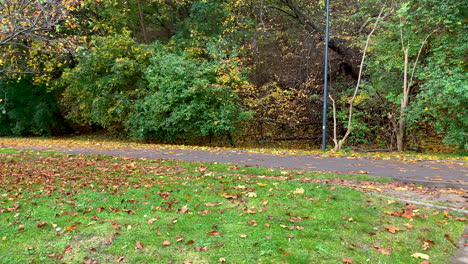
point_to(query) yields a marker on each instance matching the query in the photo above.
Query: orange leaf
(166, 243)
(139, 245)
(71, 228)
(213, 233)
(382, 250)
(347, 261)
(392, 229)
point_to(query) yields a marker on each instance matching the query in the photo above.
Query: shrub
(28, 109)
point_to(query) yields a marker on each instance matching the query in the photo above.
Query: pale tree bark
(400, 126)
(339, 143)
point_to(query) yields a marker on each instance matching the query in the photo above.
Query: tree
(420, 42)
(27, 25)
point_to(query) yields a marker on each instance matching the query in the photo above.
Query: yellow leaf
(421, 256)
(299, 191)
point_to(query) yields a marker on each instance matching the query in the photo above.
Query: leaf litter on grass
(105, 209)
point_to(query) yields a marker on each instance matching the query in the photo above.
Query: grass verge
(58, 208)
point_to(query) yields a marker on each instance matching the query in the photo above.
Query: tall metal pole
(325, 82)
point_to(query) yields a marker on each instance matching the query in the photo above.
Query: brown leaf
(119, 259)
(229, 196)
(347, 261)
(190, 242)
(139, 245)
(408, 226)
(211, 204)
(41, 224)
(200, 249)
(222, 260)
(427, 244)
(166, 243)
(449, 238)
(20, 227)
(116, 226)
(68, 248)
(392, 229)
(213, 233)
(461, 219)
(382, 250)
(184, 209)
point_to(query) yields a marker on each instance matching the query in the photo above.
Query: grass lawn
(60, 208)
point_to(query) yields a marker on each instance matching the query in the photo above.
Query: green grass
(99, 207)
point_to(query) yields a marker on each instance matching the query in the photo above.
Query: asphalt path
(431, 173)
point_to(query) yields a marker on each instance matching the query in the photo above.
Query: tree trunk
(400, 135)
(142, 22)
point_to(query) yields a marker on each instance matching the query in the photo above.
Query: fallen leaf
(200, 249)
(427, 244)
(41, 224)
(382, 250)
(20, 227)
(392, 229)
(299, 191)
(166, 243)
(347, 261)
(449, 238)
(229, 196)
(408, 226)
(68, 248)
(251, 194)
(213, 233)
(71, 228)
(184, 209)
(243, 236)
(222, 260)
(189, 242)
(119, 259)
(139, 245)
(420, 255)
(212, 204)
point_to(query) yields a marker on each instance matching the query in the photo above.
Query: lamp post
(325, 82)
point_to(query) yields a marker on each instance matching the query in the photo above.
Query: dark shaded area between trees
(251, 71)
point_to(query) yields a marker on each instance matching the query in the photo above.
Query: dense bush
(188, 95)
(28, 109)
(103, 87)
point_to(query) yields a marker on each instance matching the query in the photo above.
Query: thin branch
(417, 58)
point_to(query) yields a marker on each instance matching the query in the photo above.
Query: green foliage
(438, 91)
(189, 94)
(102, 88)
(27, 109)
